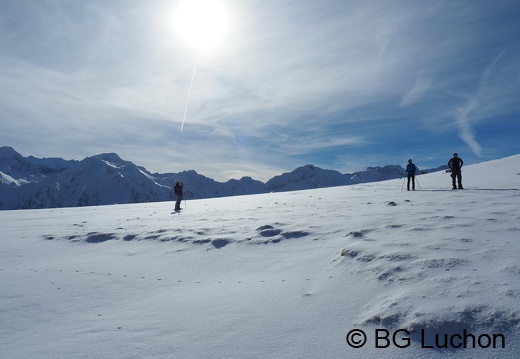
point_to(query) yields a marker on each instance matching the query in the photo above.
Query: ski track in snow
(431, 259)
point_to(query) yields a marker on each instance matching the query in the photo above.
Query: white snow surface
(279, 275)
(8, 180)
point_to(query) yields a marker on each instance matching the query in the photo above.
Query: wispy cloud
(464, 114)
(309, 81)
(466, 132)
(416, 92)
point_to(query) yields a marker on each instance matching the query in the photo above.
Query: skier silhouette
(178, 189)
(455, 164)
(410, 171)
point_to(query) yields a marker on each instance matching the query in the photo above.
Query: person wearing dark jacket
(455, 164)
(178, 189)
(410, 172)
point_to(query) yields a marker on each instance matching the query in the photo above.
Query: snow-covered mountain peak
(112, 159)
(12, 161)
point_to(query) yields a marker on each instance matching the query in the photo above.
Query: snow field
(281, 275)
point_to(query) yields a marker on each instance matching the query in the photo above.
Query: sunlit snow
(279, 275)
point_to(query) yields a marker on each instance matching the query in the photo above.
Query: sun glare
(201, 23)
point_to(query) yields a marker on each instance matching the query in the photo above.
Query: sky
(340, 84)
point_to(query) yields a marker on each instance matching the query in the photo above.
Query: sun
(201, 23)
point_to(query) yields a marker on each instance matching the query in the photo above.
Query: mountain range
(104, 179)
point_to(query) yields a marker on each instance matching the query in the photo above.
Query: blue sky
(340, 84)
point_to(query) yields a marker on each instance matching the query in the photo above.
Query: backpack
(412, 169)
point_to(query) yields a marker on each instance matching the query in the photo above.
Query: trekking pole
(404, 179)
(418, 183)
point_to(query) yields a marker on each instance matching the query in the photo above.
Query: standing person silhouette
(455, 164)
(410, 172)
(178, 189)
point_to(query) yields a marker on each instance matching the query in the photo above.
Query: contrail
(466, 131)
(189, 92)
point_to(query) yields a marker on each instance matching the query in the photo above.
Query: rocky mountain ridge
(104, 179)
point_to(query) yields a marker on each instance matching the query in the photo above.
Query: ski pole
(418, 183)
(404, 178)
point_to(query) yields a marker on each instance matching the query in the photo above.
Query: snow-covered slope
(277, 275)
